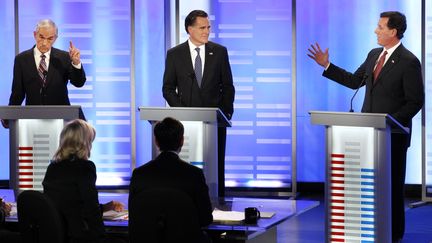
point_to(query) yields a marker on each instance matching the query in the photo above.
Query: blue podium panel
(102, 32)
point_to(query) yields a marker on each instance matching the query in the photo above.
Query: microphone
(365, 76)
(192, 76)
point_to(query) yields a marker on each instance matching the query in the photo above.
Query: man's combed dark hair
(169, 134)
(192, 16)
(396, 21)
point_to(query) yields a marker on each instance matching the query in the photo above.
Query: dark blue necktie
(198, 67)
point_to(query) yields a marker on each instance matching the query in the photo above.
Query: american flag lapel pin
(392, 61)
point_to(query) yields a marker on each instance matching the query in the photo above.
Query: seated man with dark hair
(168, 171)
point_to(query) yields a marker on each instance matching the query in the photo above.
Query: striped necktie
(42, 70)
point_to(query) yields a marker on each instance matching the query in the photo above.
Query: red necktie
(379, 65)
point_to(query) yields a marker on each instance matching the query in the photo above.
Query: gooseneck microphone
(358, 88)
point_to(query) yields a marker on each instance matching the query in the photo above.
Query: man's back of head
(169, 134)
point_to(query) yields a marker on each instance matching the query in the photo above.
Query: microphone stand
(358, 88)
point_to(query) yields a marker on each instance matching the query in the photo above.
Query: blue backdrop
(124, 73)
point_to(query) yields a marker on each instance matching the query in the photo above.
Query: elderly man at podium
(41, 74)
(394, 85)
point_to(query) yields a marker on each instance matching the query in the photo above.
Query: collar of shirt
(194, 54)
(389, 52)
(37, 57)
(170, 151)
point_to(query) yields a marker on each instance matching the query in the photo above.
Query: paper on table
(267, 215)
(227, 216)
(114, 215)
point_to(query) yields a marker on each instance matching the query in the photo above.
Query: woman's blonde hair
(75, 141)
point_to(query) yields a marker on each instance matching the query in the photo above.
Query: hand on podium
(5, 123)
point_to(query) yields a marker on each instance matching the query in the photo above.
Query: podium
(358, 175)
(34, 134)
(200, 146)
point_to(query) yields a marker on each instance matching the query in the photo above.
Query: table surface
(283, 209)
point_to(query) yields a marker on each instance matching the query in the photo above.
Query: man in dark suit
(167, 170)
(394, 85)
(41, 74)
(198, 74)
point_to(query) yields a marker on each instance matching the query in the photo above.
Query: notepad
(114, 215)
(235, 216)
(227, 216)
(267, 215)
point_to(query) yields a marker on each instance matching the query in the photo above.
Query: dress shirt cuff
(78, 66)
(326, 67)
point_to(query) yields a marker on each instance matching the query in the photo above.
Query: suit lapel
(209, 59)
(186, 58)
(30, 59)
(54, 60)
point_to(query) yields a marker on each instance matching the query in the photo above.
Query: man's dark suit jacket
(28, 85)
(169, 171)
(398, 89)
(71, 185)
(180, 88)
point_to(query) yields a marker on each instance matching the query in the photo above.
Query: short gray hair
(46, 23)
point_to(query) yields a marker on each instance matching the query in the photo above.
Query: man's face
(45, 38)
(385, 36)
(200, 31)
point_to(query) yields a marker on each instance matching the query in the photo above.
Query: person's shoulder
(179, 47)
(25, 53)
(86, 163)
(59, 53)
(406, 54)
(214, 45)
(189, 167)
(144, 167)
(376, 50)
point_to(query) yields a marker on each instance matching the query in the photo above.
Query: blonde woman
(70, 181)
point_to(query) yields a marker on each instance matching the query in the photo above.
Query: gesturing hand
(320, 57)
(74, 54)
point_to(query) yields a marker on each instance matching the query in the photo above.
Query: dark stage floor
(309, 226)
